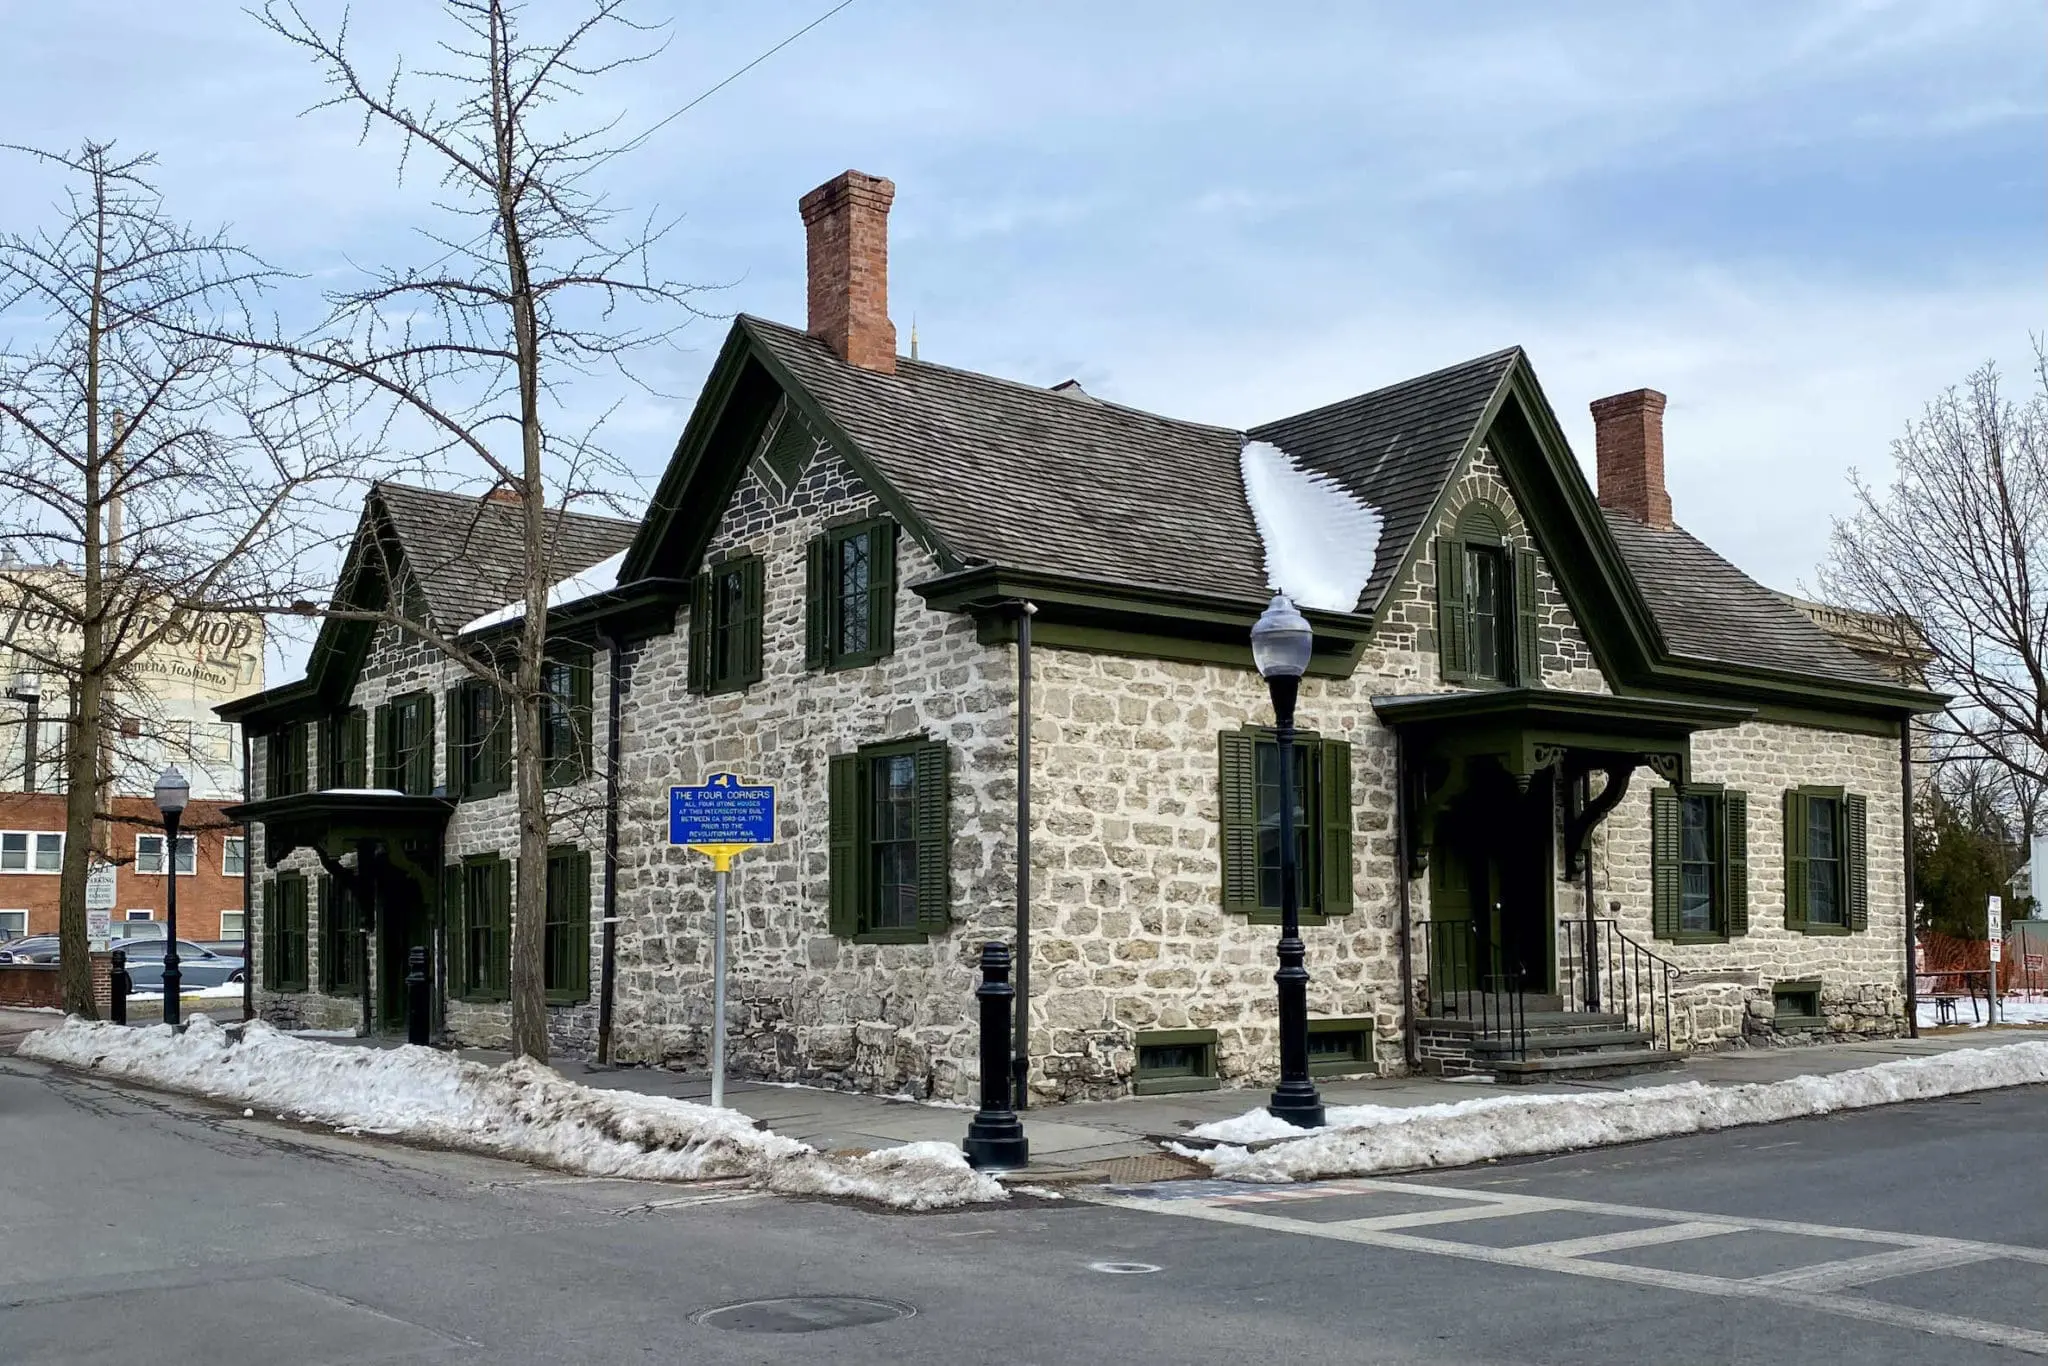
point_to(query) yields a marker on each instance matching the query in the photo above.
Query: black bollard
(995, 1137)
(417, 1001)
(118, 982)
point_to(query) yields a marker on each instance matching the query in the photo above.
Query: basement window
(1796, 1004)
(1175, 1060)
(1338, 1048)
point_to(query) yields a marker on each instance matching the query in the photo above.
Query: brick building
(1562, 765)
(210, 865)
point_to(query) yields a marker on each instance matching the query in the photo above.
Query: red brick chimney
(1628, 434)
(846, 232)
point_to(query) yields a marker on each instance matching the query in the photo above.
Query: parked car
(34, 948)
(226, 948)
(140, 929)
(197, 966)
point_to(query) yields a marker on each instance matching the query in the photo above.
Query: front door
(1490, 919)
(402, 924)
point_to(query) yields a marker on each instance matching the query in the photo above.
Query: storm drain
(802, 1314)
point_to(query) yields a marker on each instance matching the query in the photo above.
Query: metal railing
(1469, 979)
(1602, 970)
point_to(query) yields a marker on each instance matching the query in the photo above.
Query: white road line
(1878, 1266)
(1842, 1306)
(1628, 1238)
(1495, 1209)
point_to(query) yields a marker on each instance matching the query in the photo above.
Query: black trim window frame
(1483, 576)
(566, 718)
(285, 760)
(344, 749)
(1826, 852)
(405, 744)
(1699, 848)
(1702, 890)
(726, 625)
(483, 949)
(850, 585)
(890, 835)
(284, 933)
(480, 763)
(1248, 765)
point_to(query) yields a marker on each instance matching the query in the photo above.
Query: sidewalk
(1083, 1135)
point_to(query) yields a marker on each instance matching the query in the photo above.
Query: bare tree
(1957, 545)
(153, 484)
(531, 285)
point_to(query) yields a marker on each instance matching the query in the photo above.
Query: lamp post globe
(172, 792)
(1281, 644)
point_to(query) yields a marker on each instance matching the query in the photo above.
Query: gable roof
(1709, 610)
(468, 554)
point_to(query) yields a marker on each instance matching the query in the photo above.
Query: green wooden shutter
(818, 603)
(882, 589)
(500, 966)
(582, 718)
(1528, 649)
(934, 840)
(323, 924)
(1237, 806)
(498, 744)
(270, 908)
(459, 743)
(1735, 860)
(454, 929)
(1856, 867)
(1664, 862)
(576, 950)
(1336, 851)
(701, 627)
(843, 795)
(386, 756)
(1795, 860)
(1453, 627)
(420, 780)
(355, 749)
(750, 621)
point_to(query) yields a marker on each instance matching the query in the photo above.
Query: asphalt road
(138, 1226)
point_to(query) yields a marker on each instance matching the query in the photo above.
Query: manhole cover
(802, 1314)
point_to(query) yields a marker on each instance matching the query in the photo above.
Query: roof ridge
(1043, 391)
(1476, 362)
(449, 495)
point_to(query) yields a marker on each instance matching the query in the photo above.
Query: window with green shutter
(565, 956)
(1699, 863)
(1248, 763)
(565, 719)
(340, 933)
(405, 744)
(1827, 877)
(479, 741)
(284, 932)
(482, 941)
(890, 877)
(285, 760)
(725, 626)
(344, 750)
(850, 596)
(1488, 605)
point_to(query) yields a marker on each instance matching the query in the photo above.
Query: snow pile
(521, 1110)
(2015, 1011)
(601, 577)
(1360, 1140)
(1320, 539)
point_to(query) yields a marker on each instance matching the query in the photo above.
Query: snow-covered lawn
(520, 1110)
(2011, 1010)
(1360, 1140)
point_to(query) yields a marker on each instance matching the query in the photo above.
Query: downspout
(1411, 1046)
(615, 678)
(1912, 948)
(1020, 1063)
(248, 877)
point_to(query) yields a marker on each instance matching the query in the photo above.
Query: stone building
(1573, 790)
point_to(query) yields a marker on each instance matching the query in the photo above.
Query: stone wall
(803, 1004)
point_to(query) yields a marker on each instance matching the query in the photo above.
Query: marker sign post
(722, 817)
(1994, 915)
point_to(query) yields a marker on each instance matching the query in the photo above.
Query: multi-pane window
(31, 851)
(851, 592)
(1486, 603)
(233, 858)
(1699, 862)
(725, 626)
(284, 932)
(565, 957)
(480, 893)
(149, 854)
(1483, 610)
(405, 744)
(565, 719)
(480, 741)
(284, 759)
(1826, 873)
(232, 923)
(889, 874)
(13, 925)
(341, 938)
(344, 750)
(1248, 768)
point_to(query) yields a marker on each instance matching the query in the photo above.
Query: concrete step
(1534, 1021)
(1545, 1043)
(1582, 1066)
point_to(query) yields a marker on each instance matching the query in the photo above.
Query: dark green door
(402, 923)
(1490, 922)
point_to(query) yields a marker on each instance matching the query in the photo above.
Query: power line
(736, 75)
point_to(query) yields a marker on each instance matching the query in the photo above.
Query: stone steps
(1582, 1066)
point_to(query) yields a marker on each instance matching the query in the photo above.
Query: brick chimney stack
(1628, 435)
(846, 232)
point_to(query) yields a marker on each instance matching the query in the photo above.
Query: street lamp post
(27, 689)
(1281, 640)
(171, 792)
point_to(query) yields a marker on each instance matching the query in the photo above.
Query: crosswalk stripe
(1632, 1237)
(1878, 1266)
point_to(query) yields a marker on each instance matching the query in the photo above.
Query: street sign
(99, 928)
(99, 886)
(722, 817)
(723, 810)
(1997, 949)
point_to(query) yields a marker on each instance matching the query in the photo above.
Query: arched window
(1486, 602)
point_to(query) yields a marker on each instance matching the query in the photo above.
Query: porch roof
(1532, 728)
(327, 820)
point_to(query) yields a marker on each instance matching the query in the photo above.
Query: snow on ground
(2014, 1010)
(1363, 1139)
(601, 577)
(1320, 540)
(522, 1110)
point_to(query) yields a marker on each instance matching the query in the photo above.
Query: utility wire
(735, 76)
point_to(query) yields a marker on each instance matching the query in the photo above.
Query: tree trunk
(82, 754)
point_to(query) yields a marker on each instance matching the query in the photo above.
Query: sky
(1800, 219)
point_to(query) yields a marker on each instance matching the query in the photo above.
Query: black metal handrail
(1601, 969)
(1469, 980)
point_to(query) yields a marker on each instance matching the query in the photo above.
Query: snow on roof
(601, 577)
(1320, 540)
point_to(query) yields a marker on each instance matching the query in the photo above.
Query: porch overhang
(1530, 729)
(340, 821)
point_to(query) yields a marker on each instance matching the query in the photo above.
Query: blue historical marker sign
(722, 810)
